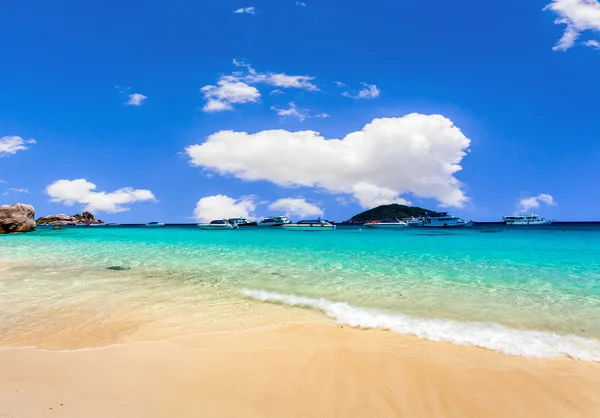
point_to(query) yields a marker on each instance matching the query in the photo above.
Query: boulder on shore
(17, 218)
(85, 218)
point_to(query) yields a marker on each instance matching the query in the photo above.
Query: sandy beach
(290, 363)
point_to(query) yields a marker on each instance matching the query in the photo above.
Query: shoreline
(304, 368)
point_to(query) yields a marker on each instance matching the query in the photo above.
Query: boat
(387, 224)
(274, 221)
(114, 224)
(526, 220)
(443, 220)
(310, 225)
(102, 224)
(242, 222)
(154, 224)
(219, 225)
(413, 221)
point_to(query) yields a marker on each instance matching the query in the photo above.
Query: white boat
(414, 221)
(219, 225)
(312, 226)
(154, 224)
(242, 222)
(526, 220)
(114, 224)
(387, 224)
(98, 225)
(274, 221)
(443, 220)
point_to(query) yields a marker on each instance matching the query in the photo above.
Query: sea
(524, 291)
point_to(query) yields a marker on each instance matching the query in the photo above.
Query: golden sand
(287, 362)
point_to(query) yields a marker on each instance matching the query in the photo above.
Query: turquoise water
(521, 291)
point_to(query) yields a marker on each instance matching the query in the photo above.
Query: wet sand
(290, 363)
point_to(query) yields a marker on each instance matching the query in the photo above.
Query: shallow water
(545, 279)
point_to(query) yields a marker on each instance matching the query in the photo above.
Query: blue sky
(515, 89)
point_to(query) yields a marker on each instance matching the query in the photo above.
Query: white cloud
(136, 99)
(15, 190)
(274, 79)
(533, 202)
(370, 91)
(238, 87)
(221, 206)
(300, 3)
(416, 154)
(301, 114)
(339, 84)
(229, 90)
(578, 15)
(69, 192)
(249, 10)
(13, 144)
(291, 111)
(592, 44)
(296, 207)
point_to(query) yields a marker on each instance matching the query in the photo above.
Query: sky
(187, 111)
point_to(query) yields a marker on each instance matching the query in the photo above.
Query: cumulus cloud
(238, 87)
(369, 91)
(292, 110)
(12, 144)
(533, 202)
(136, 99)
(296, 207)
(389, 157)
(70, 192)
(592, 44)
(249, 10)
(221, 206)
(229, 90)
(578, 15)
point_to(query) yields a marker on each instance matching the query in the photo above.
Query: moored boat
(526, 220)
(387, 224)
(310, 225)
(242, 222)
(219, 225)
(154, 224)
(102, 224)
(274, 221)
(443, 220)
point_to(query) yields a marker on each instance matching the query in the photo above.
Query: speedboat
(313, 226)
(242, 222)
(387, 224)
(443, 220)
(154, 224)
(219, 225)
(274, 221)
(103, 224)
(526, 220)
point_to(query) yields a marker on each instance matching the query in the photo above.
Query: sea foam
(525, 343)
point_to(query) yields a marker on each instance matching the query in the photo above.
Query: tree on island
(389, 212)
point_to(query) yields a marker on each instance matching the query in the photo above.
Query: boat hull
(387, 226)
(155, 226)
(529, 223)
(309, 228)
(217, 227)
(461, 225)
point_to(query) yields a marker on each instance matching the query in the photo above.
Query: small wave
(525, 343)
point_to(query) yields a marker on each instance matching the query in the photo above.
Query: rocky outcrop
(85, 218)
(16, 218)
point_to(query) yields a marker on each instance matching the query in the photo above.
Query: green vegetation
(389, 212)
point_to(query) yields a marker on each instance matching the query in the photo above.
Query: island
(391, 211)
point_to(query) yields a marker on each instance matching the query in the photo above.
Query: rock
(56, 228)
(17, 218)
(118, 268)
(85, 218)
